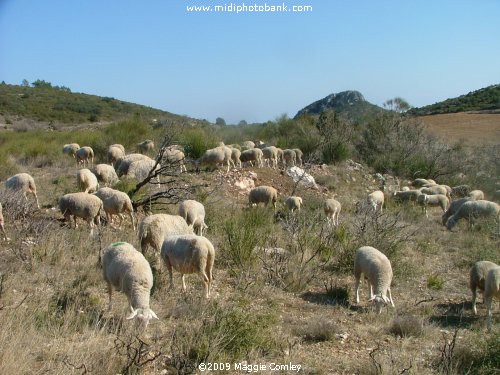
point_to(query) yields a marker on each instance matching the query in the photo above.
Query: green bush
(197, 141)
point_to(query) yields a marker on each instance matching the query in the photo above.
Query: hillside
(485, 99)
(350, 103)
(59, 105)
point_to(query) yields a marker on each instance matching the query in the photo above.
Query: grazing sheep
(378, 271)
(421, 182)
(280, 156)
(115, 153)
(116, 203)
(86, 181)
(293, 203)
(213, 158)
(477, 277)
(70, 148)
(252, 155)
(491, 290)
(86, 206)
(473, 209)
(453, 208)
(23, 182)
(2, 227)
(434, 190)
(376, 200)
(228, 152)
(106, 174)
(126, 269)
(332, 209)
(235, 156)
(298, 155)
(145, 146)
(270, 154)
(194, 214)
(406, 195)
(122, 165)
(433, 200)
(173, 155)
(289, 157)
(84, 155)
(476, 195)
(235, 145)
(460, 191)
(140, 169)
(119, 146)
(189, 253)
(247, 145)
(263, 194)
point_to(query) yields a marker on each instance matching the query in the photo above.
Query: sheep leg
(90, 222)
(206, 283)
(131, 215)
(370, 289)
(474, 296)
(120, 215)
(358, 279)
(390, 296)
(183, 283)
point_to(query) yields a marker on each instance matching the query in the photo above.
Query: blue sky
(253, 66)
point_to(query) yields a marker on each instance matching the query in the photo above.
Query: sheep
(434, 190)
(83, 205)
(332, 209)
(491, 290)
(235, 145)
(476, 195)
(86, 181)
(270, 153)
(405, 188)
(189, 253)
(378, 272)
(116, 203)
(289, 157)
(213, 157)
(115, 153)
(126, 269)
(194, 214)
(228, 152)
(122, 165)
(376, 200)
(406, 195)
(474, 209)
(421, 182)
(235, 156)
(460, 191)
(280, 158)
(23, 182)
(433, 200)
(173, 155)
(293, 203)
(84, 155)
(2, 227)
(298, 155)
(477, 276)
(145, 146)
(120, 146)
(263, 194)
(106, 174)
(251, 155)
(452, 208)
(140, 169)
(247, 145)
(70, 148)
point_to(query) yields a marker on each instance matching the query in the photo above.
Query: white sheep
(406, 195)
(263, 194)
(298, 155)
(476, 195)
(2, 224)
(293, 203)
(70, 148)
(194, 214)
(247, 145)
(106, 174)
(270, 154)
(378, 272)
(289, 157)
(433, 200)
(405, 188)
(435, 189)
(280, 156)
(471, 210)
(189, 253)
(460, 191)
(126, 269)
(174, 155)
(145, 146)
(116, 203)
(420, 182)
(477, 277)
(86, 181)
(228, 155)
(252, 155)
(235, 156)
(115, 152)
(213, 158)
(22, 182)
(332, 209)
(140, 169)
(120, 146)
(453, 208)
(84, 155)
(376, 200)
(491, 290)
(83, 205)
(122, 165)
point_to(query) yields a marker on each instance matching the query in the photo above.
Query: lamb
(114, 153)
(106, 174)
(145, 146)
(23, 182)
(270, 153)
(289, 157)
(453, 208)
(477, 276)
(434, 190)
(84, 155)
(476, 195)
(86, 181)
(433, 200)
(298, 155)
(293, 203)
(173, 155)
(189, 253)
(460, 191)
(2, 227)
(116, 203)
(263, 194)
(474, 209)
(194, 214)
(235, 156)
(378, 271)
(252, 155)
(407, 195)
(376, 200)
(83, 205)
(122, 165)
(70, 148)
(491, 290)
(332, 209)
(213, 157)
(126, 269)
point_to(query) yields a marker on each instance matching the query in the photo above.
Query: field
(469, 128)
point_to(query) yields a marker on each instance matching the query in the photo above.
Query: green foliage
(197, 141)
(435, 282)
(481, 357)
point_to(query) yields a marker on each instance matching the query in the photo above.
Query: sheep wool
(23, 182)
(477, 277)
(194, 214)
(116, 203)
(83, 205)
(86, 181)
(491, 290)
(263, 194)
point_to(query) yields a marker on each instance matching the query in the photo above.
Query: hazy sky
(254, 65)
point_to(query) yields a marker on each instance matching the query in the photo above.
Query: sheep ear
(132, 315)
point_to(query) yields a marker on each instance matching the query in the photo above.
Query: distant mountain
(350, 103)
(486, 99)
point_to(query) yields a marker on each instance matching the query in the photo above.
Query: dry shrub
(317, 330)
(406, 326)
